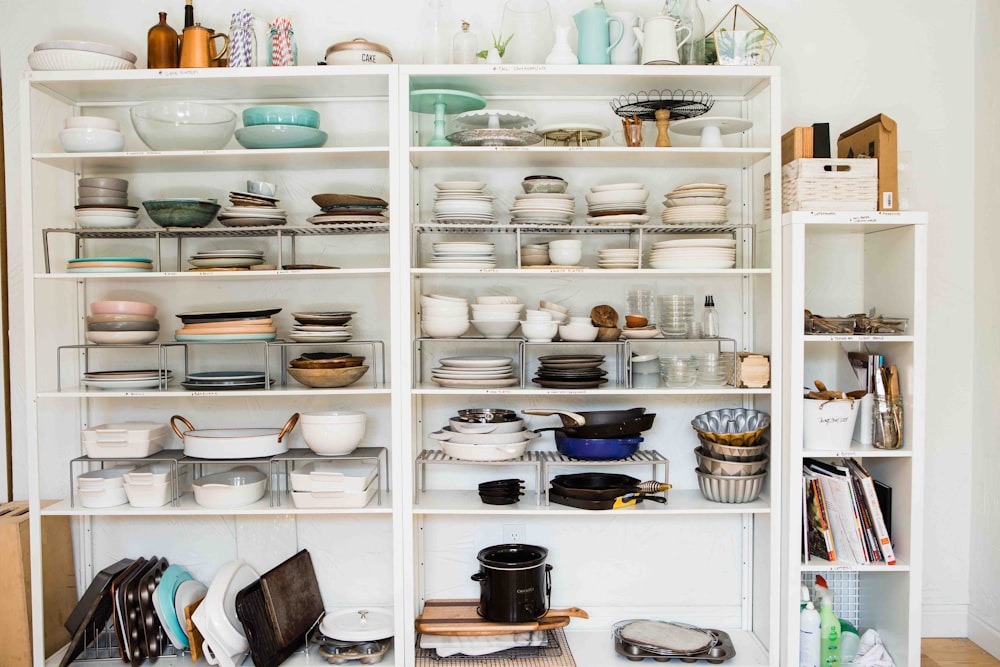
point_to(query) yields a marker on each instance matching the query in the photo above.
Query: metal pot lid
(358, 625)
(357, 44)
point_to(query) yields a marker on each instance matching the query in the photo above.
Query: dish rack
(555, 653)
(104, 647)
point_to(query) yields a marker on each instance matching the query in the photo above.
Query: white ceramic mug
(627, 50)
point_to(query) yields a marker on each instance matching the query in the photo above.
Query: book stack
(846, 513)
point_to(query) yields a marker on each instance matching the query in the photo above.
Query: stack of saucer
(696, 203)
(617, 204)
(122, 323)
(475, 371)
(349, 209)
(693, 254)
(225, 380)
(252, 210)
(322, 327)
(463, 255)
(109, 265)
(227, 326)
(542, 208)
(126, 380)
(618, 258)
(209, 260)
(570, 371)
(463, 201)
(535, 254)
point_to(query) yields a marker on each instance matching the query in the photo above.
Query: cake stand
(442, 101)
(710, 128)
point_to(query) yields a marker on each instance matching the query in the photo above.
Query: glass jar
(887, 422)
(463, 46)
(284, 52)
(242, 40)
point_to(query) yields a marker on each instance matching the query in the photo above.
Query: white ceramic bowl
(444, 313)
(332, 417)
(557, 317)
(496, 307)
(72, 59)
(444, 328)
(172, 125)
(495, 317)
(617, 196)
(105, 222)
(496, 299)
(98, 122)
(496, 328)
(122, 337)
(569, 255)
(577, 333)
(334, 438)
(239, 487)
(91, 140)
(539, 332)
(538, 315)
(579, 319)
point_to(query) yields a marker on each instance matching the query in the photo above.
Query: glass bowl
(183, 126)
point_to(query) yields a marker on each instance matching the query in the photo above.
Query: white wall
(842, 62)
(984, 617)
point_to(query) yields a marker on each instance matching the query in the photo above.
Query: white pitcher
(659, 40)
(627, 51)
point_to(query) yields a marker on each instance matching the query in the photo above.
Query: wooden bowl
(339, 362)
(608, 334)
(328, 377)
(635, 321)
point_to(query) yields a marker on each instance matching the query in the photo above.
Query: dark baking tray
(718, 654)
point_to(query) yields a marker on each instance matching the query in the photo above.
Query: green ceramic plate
(108, 269)
(280, 136)
(110, 259)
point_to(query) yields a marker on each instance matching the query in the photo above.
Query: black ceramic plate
(571, 357)
(225, 376)
(224, 386)
(226, 315)
(556, 384)
(319, 356)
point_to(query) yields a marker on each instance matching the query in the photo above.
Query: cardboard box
(59, 583)
(876, 137)
(796, 143)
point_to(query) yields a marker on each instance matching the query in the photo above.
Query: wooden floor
(954, 653)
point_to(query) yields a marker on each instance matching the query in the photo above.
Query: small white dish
(91, 140)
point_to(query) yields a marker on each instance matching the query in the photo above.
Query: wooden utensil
(194, 636)
(459, 618)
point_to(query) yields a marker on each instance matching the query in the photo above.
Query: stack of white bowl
(91, 134)
(496, 316)
(578, 329)
(109, 216)
(557, 312)
(463, 201)
(618, 258)
(696, 203)
(617, 204)
(538, 326)
(443, 316)
(542, 208)
(535, 254)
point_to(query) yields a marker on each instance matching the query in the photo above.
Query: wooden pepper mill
(662, 122)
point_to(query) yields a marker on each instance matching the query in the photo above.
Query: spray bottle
(829, 653)
(809, 632)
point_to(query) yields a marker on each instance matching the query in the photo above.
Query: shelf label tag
(175, 73)
(136, 393)
(204, 393)
(567, 392)
(498, 391)
(518, 68)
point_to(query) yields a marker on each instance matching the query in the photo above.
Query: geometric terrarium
(739, 39)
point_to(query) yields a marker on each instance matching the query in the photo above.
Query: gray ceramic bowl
(123, 326)
(103, 201)
(91, 191)
(181, 212)
(104, 182)
(544, 185)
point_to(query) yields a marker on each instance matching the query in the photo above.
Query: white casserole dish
(333, 499)
(341, 476)
(152, 486)
(233, 443)
(241, 486)
(132, 440)
(105, 497)
(225, 642)
(484, 452)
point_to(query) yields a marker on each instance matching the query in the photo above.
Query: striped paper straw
(241, 39)
(281, 42)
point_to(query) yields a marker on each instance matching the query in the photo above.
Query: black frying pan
(593, 418)
(602, 486)
(620, 429)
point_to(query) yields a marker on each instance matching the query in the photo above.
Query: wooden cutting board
(459, 618)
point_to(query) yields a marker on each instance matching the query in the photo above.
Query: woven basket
(820, 184)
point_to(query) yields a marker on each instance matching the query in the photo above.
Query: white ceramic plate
(460, 185)
(700, 242)
(225, 262)
(445, 382)
(71, 60)
(121, 385)
(610, 187)
(476, 361)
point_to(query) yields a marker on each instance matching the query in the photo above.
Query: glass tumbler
(887, 422)
(640, 302)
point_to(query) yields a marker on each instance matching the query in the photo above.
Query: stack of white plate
(693, 254)
(618, 258)
(226, 259)
(617, 204)
(126, 380)
(543, 208)
(70, 54)
(463, 201)
(696, 203)
(106, 217)
(253, 216)
(475, 371)
(463, 255)
(322, 327)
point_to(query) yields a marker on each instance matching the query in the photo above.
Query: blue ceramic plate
(111, 259)
(109, 269)
(222, 338)
(280, 136)
(164, 594)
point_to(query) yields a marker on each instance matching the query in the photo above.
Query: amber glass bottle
(161, 45)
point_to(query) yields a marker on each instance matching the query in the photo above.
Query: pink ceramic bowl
(124, 307)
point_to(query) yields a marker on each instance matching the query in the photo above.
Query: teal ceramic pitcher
(593, 27)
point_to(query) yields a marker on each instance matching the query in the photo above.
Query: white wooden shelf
(431, 389)
(274, 392)
(591, 273)
(679, 501)
(596, 649)
(868, 338)
(237, 159)
(853, 222)
(188, 507)
(561, 156)
(224, 275)
(857, 450)
(823, 565)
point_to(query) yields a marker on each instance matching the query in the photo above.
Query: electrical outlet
(513, 533)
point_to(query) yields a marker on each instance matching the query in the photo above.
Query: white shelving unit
(836, 264)
(693, 560)
(620, 564)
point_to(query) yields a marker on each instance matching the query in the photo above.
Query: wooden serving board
(459, 618)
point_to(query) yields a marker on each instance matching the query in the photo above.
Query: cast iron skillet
(594, 418)
(594, 485)
(621, 429)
